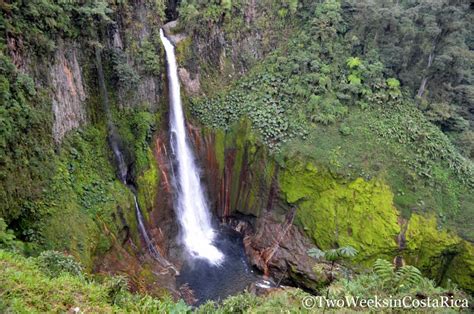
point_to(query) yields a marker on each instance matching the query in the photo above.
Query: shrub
(55, 263)
(7, 238)
(123, 73)
(384, 280)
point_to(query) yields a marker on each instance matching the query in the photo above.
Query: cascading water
(122, 167)
(192, 208)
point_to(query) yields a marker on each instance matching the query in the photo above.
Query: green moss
(425, 240)
(26, 144)
(236, 141)
(147, 184)
(219, 146)
(136, 127)
(85, 190)
(337, 213)
(439, 253)
(246, 183)
(461, 270)
(184, 50)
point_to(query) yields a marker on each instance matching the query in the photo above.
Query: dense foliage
(31, 31)
(366, 89)
(39, 24)
(320, 82)
(37, 176)
(386, 281)
(429, 46)
(31, 285)
(26, 286)
(26, 145)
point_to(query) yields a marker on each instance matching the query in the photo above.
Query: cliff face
(283, 204)
(60, 156)
(248, 183)
(69, 95)
(134, 68)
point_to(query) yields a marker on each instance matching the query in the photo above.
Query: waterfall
(122, 166)
(191, 205)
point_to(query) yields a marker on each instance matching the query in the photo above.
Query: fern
(408, 276)
(331, 255)
(383, 269)
(353, 62)
(405, 277)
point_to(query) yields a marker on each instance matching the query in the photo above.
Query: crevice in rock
(171, 10)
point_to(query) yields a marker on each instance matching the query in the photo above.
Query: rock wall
(68, 92)
(253, 193)
(138, 27)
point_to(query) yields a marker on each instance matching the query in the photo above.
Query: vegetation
(296, 84)
(28, 286)
(346, 129)
(39, 24)
(296, 94)
(428, 46)
(385, 281)
(8, 240)
(26, 145)
(335, 212)
(359, 115)
(55, 263)
(287, 300)
(33, 286)
(333, 256)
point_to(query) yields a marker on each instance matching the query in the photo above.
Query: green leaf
(383, 269)
(353, 62)
(347, 251)
(316, 253)
(393, 83)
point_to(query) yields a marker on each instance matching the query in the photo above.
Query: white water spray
(192, 208)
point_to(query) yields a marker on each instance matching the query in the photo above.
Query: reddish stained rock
(279, 249)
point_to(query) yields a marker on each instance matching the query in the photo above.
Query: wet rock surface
(279, 249)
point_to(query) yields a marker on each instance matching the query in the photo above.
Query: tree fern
(405, 277)
(353, 62)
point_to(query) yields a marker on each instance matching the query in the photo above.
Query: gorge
(180, 156)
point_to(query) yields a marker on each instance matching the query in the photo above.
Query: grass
(25, 288)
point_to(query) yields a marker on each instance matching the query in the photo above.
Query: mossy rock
(461, 270)
(184, 50)
(85, 190)
(441, 254)
(335, 213)
(147, 184)
(252, 172)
